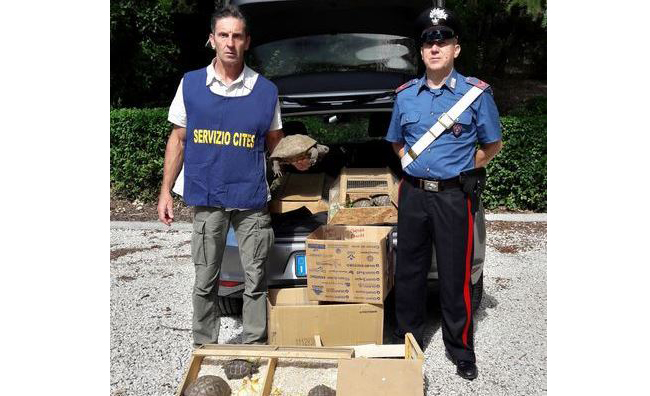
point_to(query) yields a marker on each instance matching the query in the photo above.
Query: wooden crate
(410, 351)
(356, 183)
(262, 351)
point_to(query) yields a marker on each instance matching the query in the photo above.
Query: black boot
(466, 369)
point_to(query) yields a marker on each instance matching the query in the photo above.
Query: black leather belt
(433, 185)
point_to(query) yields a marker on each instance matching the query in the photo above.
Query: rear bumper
(281, 263)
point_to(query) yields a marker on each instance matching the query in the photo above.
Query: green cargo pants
(255, 237)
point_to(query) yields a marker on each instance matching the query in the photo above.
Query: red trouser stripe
(468, 270)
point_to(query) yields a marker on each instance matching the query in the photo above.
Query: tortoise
(239, 368)
(362, 203)
(296, 147)
(381, 200)
(321, 390)
(208, 385)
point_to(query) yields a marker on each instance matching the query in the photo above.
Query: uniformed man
(222, 116)
(436, 124)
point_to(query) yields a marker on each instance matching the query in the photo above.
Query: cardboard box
(363, 183)
(349, 264)
(293, 320)
(360, 370)
(300, 190)
(379, 377)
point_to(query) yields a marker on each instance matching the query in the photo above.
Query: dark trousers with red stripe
(444, 218)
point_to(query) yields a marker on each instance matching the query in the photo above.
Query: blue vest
(224, 149)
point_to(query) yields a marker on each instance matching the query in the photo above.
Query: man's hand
(398, 148)
(486, 152)
(166, 208)
(302, 164)
(171, 169)
(273, 138)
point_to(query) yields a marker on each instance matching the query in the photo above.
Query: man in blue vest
(223, 116)
(436, 141)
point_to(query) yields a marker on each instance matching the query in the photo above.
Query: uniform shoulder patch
(405, 85)
(477, 83)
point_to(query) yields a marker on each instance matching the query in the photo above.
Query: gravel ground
(151, 279)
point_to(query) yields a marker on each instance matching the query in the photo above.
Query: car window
(353, 129)
(335, 53)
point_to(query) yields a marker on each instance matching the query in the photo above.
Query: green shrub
(138, 140)
(517, 176)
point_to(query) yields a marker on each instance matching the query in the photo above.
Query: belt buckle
(446, 121)
(430, 185)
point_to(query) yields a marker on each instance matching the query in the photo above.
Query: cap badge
(436, 14)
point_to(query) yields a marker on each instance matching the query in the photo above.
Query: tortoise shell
(292, 146)
(208, 385)
(321, 390)
(238, 368)
(362, 203)
(381, 200)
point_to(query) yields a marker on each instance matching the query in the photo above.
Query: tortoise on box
(294, 148)
(208, 385)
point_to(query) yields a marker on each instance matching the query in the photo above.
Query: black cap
(437, 24)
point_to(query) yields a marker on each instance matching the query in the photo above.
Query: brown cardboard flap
(295, 296)
(379, 377)
(365, 216)
(336, 324)
(303, 187)
(350, 233)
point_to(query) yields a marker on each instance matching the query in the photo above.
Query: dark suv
(336, 60)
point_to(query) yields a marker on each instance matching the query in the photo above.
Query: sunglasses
(433, 36)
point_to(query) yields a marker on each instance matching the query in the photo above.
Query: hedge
(138, 140)
(516, 177)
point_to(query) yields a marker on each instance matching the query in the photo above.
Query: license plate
(301, 265)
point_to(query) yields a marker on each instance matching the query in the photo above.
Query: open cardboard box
(370, 375)
(294, 320)
(298, 190)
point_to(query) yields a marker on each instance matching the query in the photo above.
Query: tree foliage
(502, 38)
(154, 41)
(143, 51)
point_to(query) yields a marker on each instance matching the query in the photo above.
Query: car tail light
(225, 283)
